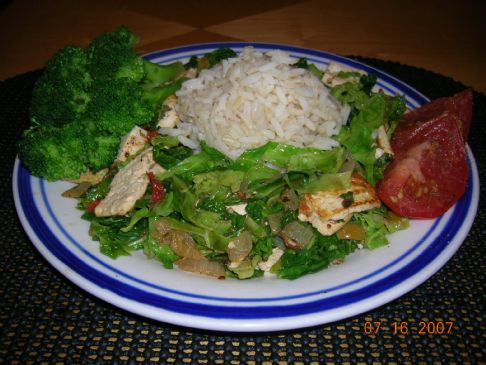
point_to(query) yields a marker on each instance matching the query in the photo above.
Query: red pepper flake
(90, 208)
(152, 134)
(158, 191)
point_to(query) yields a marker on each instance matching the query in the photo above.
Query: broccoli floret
(64, 153)
(53, 153)
(87, 99)
(127, 90)
(117, 106)
(102, 151)
(61, 94)
(111, 56)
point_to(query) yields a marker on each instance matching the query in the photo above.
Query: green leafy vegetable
(218, 55)
(237, 212)
(168, 157)
(367, 82)
(158, 250)
(98, 191)
(211, 182)
(304, 63)
(208, 159)
(113, 241)
(326, 249)
(373, 222)
(324, 182)
(263, 248)
(380, 165)
(164, 207)
(290, 157)
(246, 269)
(139, 215)
(358, 137)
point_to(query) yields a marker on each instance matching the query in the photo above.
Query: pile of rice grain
(254, 98)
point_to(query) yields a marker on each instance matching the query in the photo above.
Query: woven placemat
(46, 319)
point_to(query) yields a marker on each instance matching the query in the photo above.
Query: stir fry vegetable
(212, 215)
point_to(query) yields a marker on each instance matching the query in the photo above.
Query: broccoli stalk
(156, 95)
(158, 83)
(156, 75)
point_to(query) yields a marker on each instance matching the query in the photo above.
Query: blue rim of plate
(448, 240)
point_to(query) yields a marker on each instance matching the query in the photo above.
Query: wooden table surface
(447, 37)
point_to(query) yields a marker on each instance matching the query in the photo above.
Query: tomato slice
(158, 191)
(152, 134)
(429, 174)
(90, 208)
(414, 123)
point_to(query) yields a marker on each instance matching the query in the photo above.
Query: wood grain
(447, 37)
(443, 36)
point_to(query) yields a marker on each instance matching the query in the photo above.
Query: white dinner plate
(366, 280)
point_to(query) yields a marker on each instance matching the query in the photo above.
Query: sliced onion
(183, 245)
(349, 163)
(297, 235)
(274, 221)
(77, 191)
(279, 242)
(244, 270)
(180, 242)
(290, 200)
(239, 248)
(202, 266)
(162, 227)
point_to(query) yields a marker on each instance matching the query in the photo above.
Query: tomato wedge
(415, 123)
(429, 171)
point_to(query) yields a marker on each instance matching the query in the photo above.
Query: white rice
(254, 98)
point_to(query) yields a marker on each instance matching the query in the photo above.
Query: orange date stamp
(404, 327)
